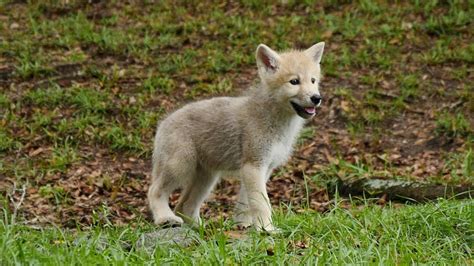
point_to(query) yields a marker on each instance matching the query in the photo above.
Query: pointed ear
(267, 59)
(316, 52)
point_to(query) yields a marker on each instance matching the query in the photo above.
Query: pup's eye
(313, 80)
(294, 81)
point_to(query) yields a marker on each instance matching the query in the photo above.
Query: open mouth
(304, 112)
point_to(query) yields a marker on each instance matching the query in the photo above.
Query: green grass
(453, 125)
(154, 83)
(6, 141)
(440, 233)
(460, 166)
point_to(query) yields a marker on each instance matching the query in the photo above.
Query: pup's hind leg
(194, 195)
(158, 198)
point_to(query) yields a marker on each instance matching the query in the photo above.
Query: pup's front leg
(254, 181)
(242, 213)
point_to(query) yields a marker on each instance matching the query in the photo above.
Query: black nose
(316, 99)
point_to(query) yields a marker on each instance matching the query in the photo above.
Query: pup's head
(292, 77)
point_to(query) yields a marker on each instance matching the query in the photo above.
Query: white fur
(248, 136)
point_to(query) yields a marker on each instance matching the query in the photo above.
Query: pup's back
(208, 132)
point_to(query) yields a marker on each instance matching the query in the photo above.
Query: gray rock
(181, 236)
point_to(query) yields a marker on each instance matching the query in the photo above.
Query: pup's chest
(280, 152)
(282, 145)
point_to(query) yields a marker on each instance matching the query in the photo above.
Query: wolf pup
(245, 136)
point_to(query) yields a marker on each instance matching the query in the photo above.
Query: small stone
(14, 26)
(407, 25)
(181, 236)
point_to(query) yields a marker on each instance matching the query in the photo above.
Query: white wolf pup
(245, 136)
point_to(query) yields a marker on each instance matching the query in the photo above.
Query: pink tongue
(310, 110)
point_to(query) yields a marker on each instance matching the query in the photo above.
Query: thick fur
(245, 136)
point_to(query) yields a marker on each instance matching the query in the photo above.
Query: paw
(193, 220)
(271, 229)
(243, 220)
(169, 221)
